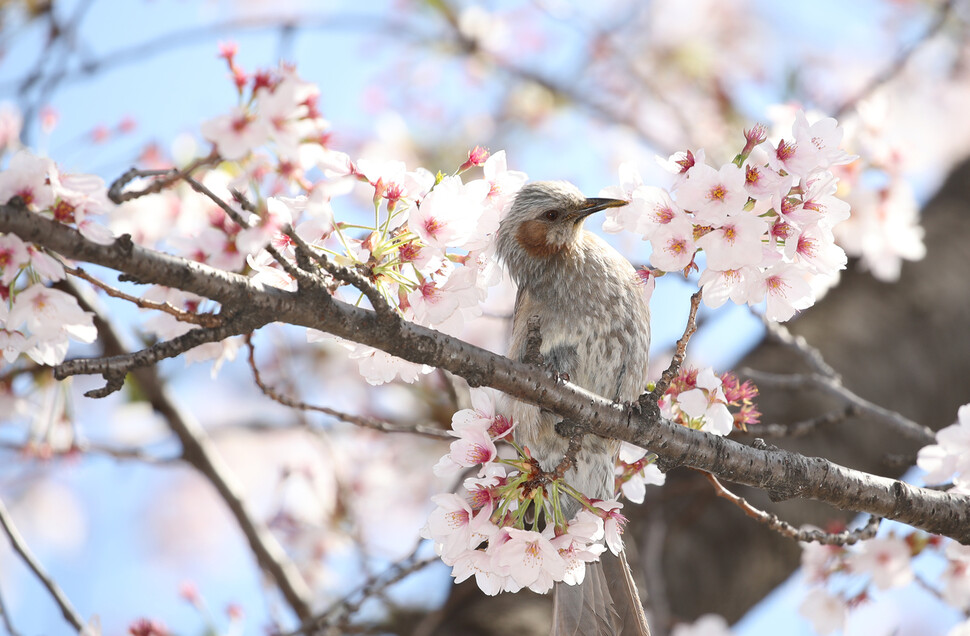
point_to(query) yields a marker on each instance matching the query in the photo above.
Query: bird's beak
(595, 205)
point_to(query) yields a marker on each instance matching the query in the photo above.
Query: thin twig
(780, 333)
(5, 615)
(897, 66)
(114, 368)
(166, 179)
(649, 400)
(18, 543)
(834, 387)
(207, 319)
(198, 451)
(358, 420)
(786, 529)
(339, 613)
(87, 448)
(798, 429)
(345, 274)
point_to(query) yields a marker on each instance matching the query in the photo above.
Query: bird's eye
(551, 215)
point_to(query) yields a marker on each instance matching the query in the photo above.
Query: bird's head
(545, 220)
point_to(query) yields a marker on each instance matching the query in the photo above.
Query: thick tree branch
(18, 543)
(781, 473)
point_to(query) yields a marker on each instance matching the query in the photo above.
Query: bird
(594, 324)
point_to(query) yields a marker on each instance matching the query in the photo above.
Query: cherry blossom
(707, 404)
(785, 289)
(27, 177)
(825, 611)
(13, 257)
(886, 560)
(613, 523)
(949, 458)
(735, 244)
(673, 245)
(956, 576)
(448, 215)
(236, 134)
(634, 473)
(713, 195)
(479, 564)
(532, 560)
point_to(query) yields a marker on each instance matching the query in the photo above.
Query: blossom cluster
(35, 319)
(702, 400)
(887, 562)
(883, 563)
(764, 222)
(509, 529)
(427, 245)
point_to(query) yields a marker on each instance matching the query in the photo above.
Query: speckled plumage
(595, 328)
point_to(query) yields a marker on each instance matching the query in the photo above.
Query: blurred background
(569, 90)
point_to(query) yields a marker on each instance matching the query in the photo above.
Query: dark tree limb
(781, 473)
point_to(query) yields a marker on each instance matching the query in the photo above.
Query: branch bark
(781, 473)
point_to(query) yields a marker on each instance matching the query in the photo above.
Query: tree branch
(18, 543)
(781, 473)
(786, 529)
(357, 420)
(115, 368)
(198, 451)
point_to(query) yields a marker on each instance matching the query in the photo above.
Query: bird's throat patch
(532, 235)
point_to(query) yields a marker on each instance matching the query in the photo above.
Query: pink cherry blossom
(378, 367)
(763, 181)
(236, 134)
(630, 182)
(707, 405)
(738, 285)
(826, 612)
(815, 249)
(680, 163)
(613, 522)
(27, 177)
(533, 561)
(785, 289)
(713, 195)
(449, 214)
(673, 245)
(735, 244)
(956, 577)
(13, 256)
(48, 311)
(479, 564)
(455, 527)
(950, 456)
(885, 560)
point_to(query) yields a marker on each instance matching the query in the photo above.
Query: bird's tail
(606, 603)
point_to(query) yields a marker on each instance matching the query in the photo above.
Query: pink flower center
(664, 215)
(717, 193)
(677, 246)
(432, 226)
(785, 150)
(776, 285)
